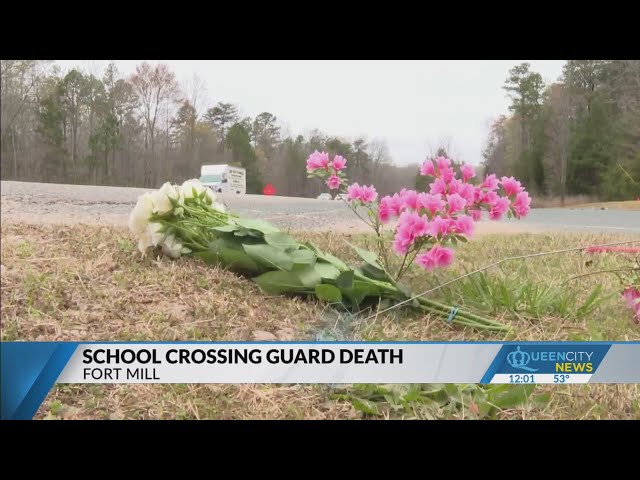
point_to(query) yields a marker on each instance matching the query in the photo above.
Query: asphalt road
(44, 202)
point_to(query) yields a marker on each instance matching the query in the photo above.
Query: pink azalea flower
(354, 192)
(438, 227)
(468, 172)
(478, 195)
(339, 162)
(476, 214)
(447, 174)
(456, 203)
(427, 168)
(499, 208)
(410, 226)
(334, 182)
(490, 198)
(401, 244)
(384, 210)
(490, 182)
(464, 225)
(442, 162)
(632, 296)
(433, 203)
(397, 204)
(468, 192)
(317, 160)
(389, 207)
(436, 257)
(410, 199)
(438, 186)
(369, 194)
(511, 186)
(455, 185)
(521, 204)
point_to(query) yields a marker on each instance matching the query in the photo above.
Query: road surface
(54, 203)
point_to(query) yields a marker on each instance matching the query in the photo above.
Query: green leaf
(359, 291)
(278, 282)
(260, 225)
(328, 293)
(326, 270)
(373, 272)
(245, 232)
(345, 280)
(280, 240)
(369, 257)
(335, 261)
(541, 400)
(235, 260)
(308, 276)
(509, 396)
(405, 289)
(268, 256)
(365, 406)
(303, 257)
(226, 228)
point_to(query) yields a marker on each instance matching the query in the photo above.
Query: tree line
(144, 129)
(577, 136)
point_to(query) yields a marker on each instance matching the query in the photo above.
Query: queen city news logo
(531, 359)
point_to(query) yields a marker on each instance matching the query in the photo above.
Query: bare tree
(444, 144)
(195, 91)
(379, 153)
(155, 86)
(557, 132)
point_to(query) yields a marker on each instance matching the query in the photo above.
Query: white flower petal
(156, 234)
(140, 215)
(188, 187)
(172, 247)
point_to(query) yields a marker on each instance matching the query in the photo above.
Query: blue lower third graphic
(28, 370)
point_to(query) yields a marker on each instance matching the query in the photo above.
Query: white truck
(224, 178)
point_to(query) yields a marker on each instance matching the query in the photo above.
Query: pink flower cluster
(632, 296)
(448, 210)
(430, 219)
(320, 161)
(364, 194)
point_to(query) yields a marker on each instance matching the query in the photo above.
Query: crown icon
(518, 358)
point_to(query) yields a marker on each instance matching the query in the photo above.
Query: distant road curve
(56, 203)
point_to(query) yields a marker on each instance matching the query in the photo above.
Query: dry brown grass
(86, 283)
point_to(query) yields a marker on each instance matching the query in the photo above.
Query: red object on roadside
(269, 190)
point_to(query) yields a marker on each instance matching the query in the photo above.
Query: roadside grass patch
(87, 283)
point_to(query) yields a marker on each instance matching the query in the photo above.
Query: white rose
(140, 215)
(144, 242)
(219, 207)
(156, 233)
(173, 247)
(162, 198)
(187, 188)
(212, 196)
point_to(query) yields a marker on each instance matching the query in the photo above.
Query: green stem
(461, 313)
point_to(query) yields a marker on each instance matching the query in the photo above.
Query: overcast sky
(411, 104)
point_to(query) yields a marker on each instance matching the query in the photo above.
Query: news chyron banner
(29, 370)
